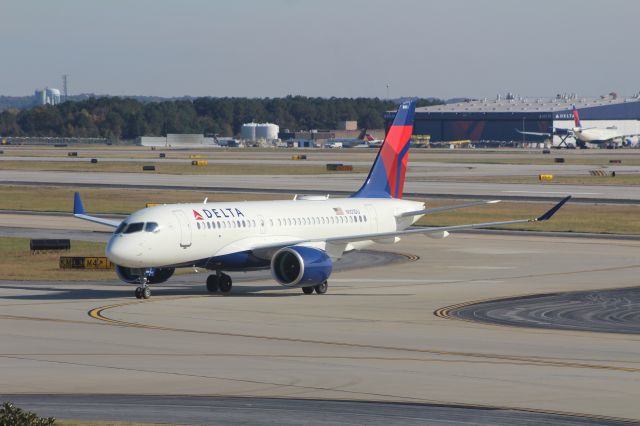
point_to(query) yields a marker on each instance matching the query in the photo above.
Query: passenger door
(185, 228)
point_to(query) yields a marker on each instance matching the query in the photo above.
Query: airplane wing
(629, 135)
(439, 229)
(445, 208)
(78, 211)
(433, 230)
(559, 131)
(534, 133)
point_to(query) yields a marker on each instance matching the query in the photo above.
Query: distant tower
(65, 88)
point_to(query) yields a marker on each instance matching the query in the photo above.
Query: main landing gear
(143, 292)
(320, 288)
(219, 281)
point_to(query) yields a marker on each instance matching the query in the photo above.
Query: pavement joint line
(97, 313)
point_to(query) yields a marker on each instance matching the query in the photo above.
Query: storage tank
(248, 131)
(53, 96)
(267, 131)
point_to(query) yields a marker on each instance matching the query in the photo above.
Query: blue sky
(323, 48)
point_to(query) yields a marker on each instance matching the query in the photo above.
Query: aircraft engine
(438, 235)
(154, 275)
(298, 266)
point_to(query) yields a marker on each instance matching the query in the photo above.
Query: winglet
(553, 210)
(78, 208)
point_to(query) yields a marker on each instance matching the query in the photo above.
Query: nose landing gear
(144, 291)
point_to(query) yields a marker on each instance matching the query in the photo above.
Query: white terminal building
(259, 131)
(47, 96)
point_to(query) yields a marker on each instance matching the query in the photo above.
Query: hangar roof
(524, 105)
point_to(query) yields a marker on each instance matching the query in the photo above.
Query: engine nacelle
(298, 266)
(154, 275)
(438, 235)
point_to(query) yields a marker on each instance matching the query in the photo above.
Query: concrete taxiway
(417, 169)
(283, 411)
(330, 183)
(373, 337)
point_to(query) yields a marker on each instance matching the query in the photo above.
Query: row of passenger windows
(130, 228)
(227, 224)
(285, 221)
(320, 220)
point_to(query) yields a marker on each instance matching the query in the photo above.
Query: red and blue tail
(576, 117)
(386, 177)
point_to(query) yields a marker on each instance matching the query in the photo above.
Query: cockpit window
(120, 227)
(134, 227)
(150, 226)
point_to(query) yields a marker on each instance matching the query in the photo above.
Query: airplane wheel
(307, 290)
(321, 288)
(146, 292)
(212, 283)
(138, 293)
(225, 283)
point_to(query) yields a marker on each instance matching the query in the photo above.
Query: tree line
(126, 118)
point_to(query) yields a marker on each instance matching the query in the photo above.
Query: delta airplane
(298, 240)
(364, 140)
(583, 136)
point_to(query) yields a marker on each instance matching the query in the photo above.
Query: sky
(342, 48)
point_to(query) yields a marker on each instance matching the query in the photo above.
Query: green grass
(619, 179)
(18, 263)
(100, 200)
(598, 218)
(177, 169)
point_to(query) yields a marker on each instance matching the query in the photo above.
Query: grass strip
(17, 262)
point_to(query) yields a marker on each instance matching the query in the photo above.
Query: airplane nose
(121, 252)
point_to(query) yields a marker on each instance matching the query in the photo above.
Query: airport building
(500, 119)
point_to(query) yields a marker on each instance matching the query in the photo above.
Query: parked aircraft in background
(364, 140)
(588, 135)
(298, 240)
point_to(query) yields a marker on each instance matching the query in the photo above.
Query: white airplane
(586, 135)
(298, 240)
(364, 140)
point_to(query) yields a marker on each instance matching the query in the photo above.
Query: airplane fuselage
(216, 235)
(596, 135)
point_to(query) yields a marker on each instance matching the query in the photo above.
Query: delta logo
(219, 213)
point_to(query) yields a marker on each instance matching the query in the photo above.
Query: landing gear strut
(219, 281)
(320, 288)
(143, 292)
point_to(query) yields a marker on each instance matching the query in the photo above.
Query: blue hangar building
(500, 119)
